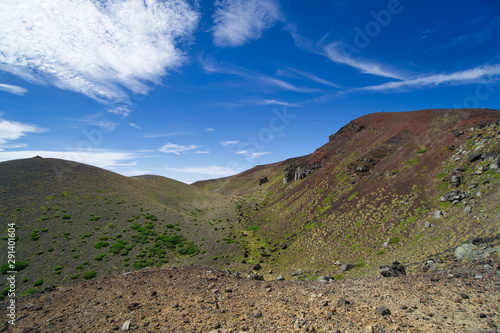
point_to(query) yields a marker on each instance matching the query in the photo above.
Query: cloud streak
(96, 48)
(334, 52)
(16, 90)
(489, 73)
(173, 148)
(257, 77)
(13, 130)
(236, 22)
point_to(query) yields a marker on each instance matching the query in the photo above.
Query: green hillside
(73, 219)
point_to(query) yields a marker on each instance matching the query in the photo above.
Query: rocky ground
(462, 297)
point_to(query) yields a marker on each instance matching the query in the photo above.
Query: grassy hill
(374, 193)
(73, 219)
(405, 186)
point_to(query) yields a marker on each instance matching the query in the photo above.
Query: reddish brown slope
(379, 178)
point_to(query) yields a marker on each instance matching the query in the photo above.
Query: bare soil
(463, 298)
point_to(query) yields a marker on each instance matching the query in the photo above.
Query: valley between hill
(409, 186)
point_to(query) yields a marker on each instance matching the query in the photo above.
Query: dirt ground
(465, 297)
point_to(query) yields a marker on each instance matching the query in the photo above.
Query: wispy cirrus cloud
(236, 22)
(309, 76)
(490, 73)
(335, 53)
(16, 90)
(13, 130)
(256, 77)
(229, 143)
(96, 48)
(250, 155)
(173, 148)
(134, 125)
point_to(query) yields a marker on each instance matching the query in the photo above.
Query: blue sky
(194, 90)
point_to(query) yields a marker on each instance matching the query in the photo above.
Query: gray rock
(427, 225)
(465, 251)
(280, 278)
(474, 157)
(346, 267)
(467, 209)
(393, 271)
(429, 265)
(438, 214)
(383, 311)
(256, 277)
(337, 263)
(126, 326)
(325, 279)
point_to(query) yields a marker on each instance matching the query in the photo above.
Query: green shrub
(116, 248)
(18, 266)
(58, 268)
(110, 226)
(25, 279)
(394, 240)
(39, 252)
(99, 257)
(253, 228)
(66, 217)
(99, 245)
(103, 238)
(74, 277)
(188, 249)
(89, 275)
(29, 292)
(380, 252)
(215, 257)
(37, 283)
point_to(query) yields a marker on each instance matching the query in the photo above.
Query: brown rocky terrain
(464, 297)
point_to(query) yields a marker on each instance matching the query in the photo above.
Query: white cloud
(256, 77)
(98, 158)
(133, 125)
(102, 49)
(334, 52)
(13, 130)
(13, 89)
(236, 22)
(252, 155)
(474, 75)
(229, 143)
(172, 148)
(211, 170)
(209, 129)
(310, 76)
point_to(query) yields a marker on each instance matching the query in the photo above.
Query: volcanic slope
(74, 221)
(408, 186)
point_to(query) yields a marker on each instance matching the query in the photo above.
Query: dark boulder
(474, 157)
(392, 271)
(263, 181)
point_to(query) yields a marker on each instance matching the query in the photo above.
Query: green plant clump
(89, 275)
